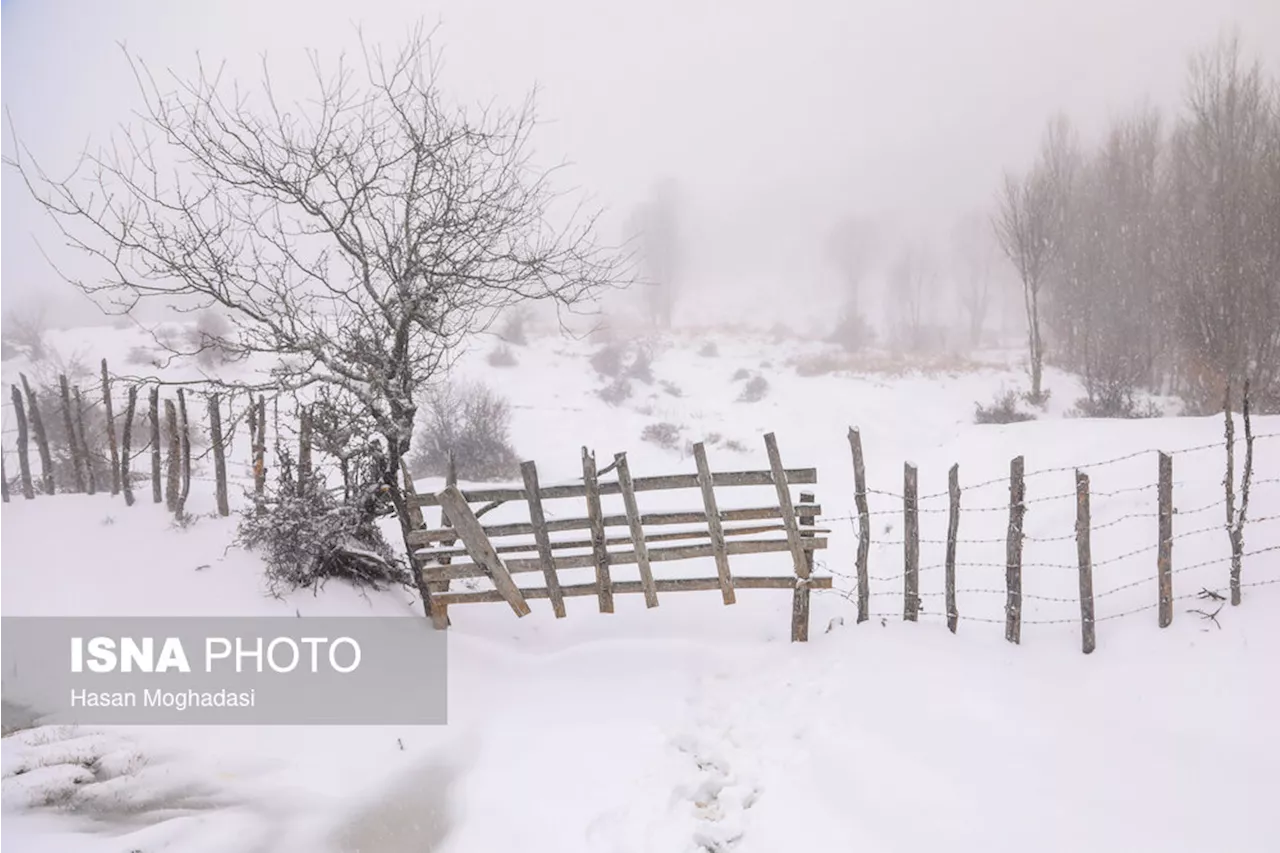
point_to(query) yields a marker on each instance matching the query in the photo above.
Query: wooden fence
(461, 547)
(1233, 503)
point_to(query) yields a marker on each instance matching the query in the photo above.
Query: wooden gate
(462, 551)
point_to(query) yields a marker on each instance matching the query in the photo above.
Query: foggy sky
(775, 119)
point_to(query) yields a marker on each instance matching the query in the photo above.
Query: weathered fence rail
(462, 548)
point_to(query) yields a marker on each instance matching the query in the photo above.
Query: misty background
(771, 123)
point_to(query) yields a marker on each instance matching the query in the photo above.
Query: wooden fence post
(1164, 557)
(4, 480)
(219, 455)
(83, 439)
(69, 426)
(24, 460)
(911, 545)
(260, 449)
(632, 510)
(953, 534)
(800, 599)
(173, 494)
(864, 524)
(714, 528)
(1013, 563)
(538, 518)
(157, 492)
(481, 550)
(184, 425)
(42, 438)
(604, 583)
(126, 482)
(111, 430)
(1084, 554)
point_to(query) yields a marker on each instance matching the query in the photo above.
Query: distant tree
(356, 236)
(851, 247)
(974, 251)
(910, 287)
(654, 227)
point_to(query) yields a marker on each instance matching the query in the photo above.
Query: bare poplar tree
(1024, 226)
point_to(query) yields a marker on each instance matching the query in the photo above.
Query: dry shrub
(502, 357)
(473, 423)
(755, 390)
(616, 391)
(1002, 410)
(709, 350)
(665, 435)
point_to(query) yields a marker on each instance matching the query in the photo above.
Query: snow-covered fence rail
(463, 551)
(1044, 584)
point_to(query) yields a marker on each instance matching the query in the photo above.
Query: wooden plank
(600, 553)
(795, 476)
(481, 551)
(637, 530)
(781, 482)
(437, 553)
(910, 544)
(953, 535)
(1084, 554)
(800, 595)
(1164, 553)
(648, 519)
(1013, 552)
(714, 527)
(618, 558)
(538, 520)
(634, 587)
(864, 524)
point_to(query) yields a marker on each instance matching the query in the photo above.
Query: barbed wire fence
(1140, 578)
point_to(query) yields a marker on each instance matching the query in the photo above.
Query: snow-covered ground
(696, 727)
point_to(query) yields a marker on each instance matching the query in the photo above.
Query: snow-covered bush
(852, 331)
(473, 423)
(665, 435)
(608, 360)
(207, 337)
(23, 335)
(755, 390)
(1003, 410)
(616, 391)
(709, 350)
(307, 536)
(502, 356)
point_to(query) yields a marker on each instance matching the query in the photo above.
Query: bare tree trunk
(69, 425)
(42, 438)
(173, 491)
(111, 430)
(84, 444)
(219, 455)
(4, 481)
(126, 482)
(157, 490)
(184, 425)
(24, 461)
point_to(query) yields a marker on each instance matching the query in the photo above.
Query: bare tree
(974, 252)
(1024, 226)
(851, 247)
(355, 236)
(655, 230)
(910, 285)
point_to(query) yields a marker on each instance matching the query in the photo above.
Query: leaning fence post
(83, 440)
(42, 438)
(69, 425)
(911, 545)
(1164, 557)
(111, 430)
(864, 524)
(1013, 563)
(604, 583)
(1085, 556)
(953, 534)
(126, 484)
(24, 460)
